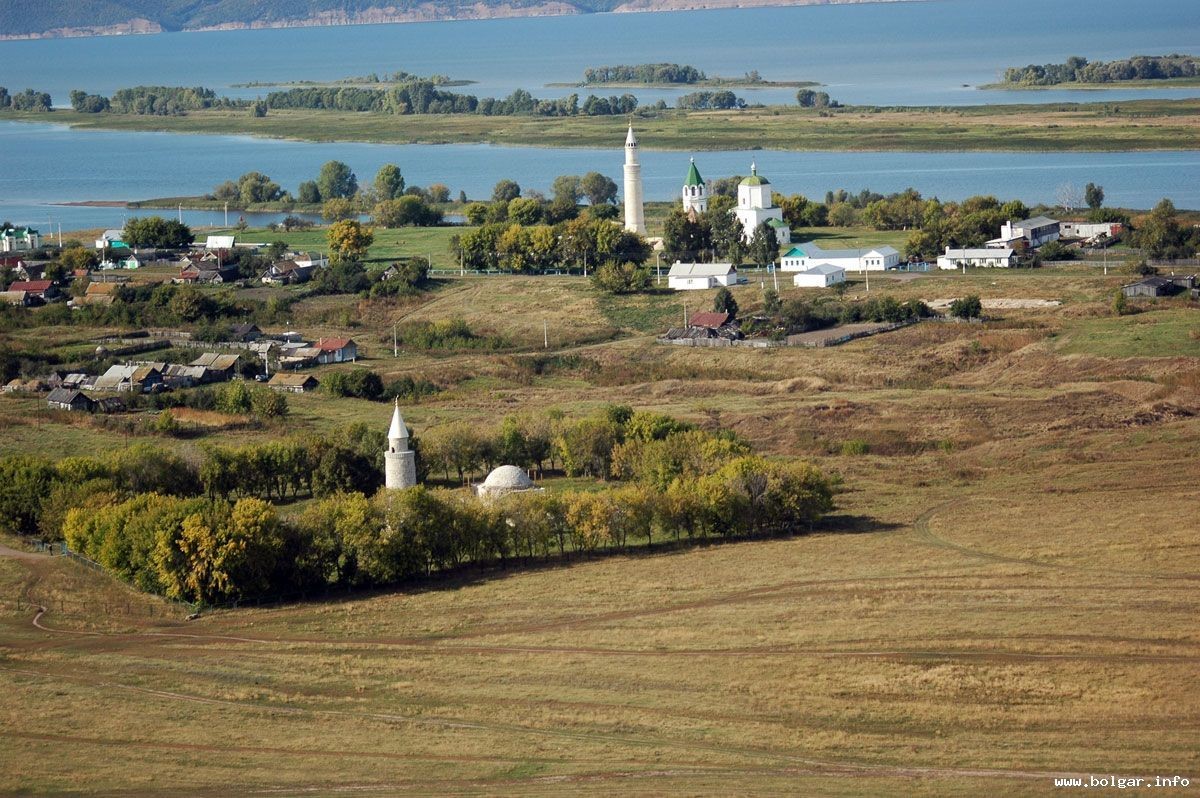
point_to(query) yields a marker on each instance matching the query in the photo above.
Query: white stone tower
(399, 463)
(695, 193)
(635, 217)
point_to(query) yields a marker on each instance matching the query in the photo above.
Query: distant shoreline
(378, 16)
(1160, 83)
(700, 84)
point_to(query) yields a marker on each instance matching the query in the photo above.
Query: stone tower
(635, 217)
(695, 193)
(399, 463)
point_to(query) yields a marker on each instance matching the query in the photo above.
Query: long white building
(989, 257)
(699, 276)
(804, 256)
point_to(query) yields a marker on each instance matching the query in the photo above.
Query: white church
(755, 207)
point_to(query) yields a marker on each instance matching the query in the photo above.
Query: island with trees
(670, 74)
(1078, 72)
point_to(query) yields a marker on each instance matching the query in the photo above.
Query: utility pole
(227, 214)
(395, 342)
(545, 334)
(685, 314)
(775, 276)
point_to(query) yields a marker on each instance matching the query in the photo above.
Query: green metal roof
(693, 176)
(776, 223)
(755, 179)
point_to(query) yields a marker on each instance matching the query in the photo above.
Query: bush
(967, 307)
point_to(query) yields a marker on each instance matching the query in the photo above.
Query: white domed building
(756, 207)
(504, 480)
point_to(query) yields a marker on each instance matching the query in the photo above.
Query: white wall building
(19, 239)
(635, 216)
(1090, 229)
(988, 257)
(755, 207)
(695, 192)
(804, 256)
(820, 276)
(1037, 231)
(218, 242)
(699, 276)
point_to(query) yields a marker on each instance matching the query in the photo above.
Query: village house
(19, 239)
(176, 375)
(823, 275)
(985, 257)
(287, 272)
(215, 243)
(217, 367)
(293, 383)
(245, 333)
(21, 385)
(336, 350)
(1156, 286)
(68, 399)
(97, 294)
(701, 276)
(1091, 231)
(36, 290)
(309, 260)
(805, 256)
(206, 273)
(130, 378)
(111, 239)
(16, 298)
(1036, 231)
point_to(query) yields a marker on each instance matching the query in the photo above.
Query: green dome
(755, 180)
(693, 176)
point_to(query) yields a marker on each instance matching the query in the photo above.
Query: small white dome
(508, 477)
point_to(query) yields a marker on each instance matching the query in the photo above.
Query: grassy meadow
(1004, 594)
(1132, 126)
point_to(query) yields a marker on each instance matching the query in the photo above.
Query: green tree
(764, 245)
(349, 241)
(1093, 195)
(599, 189)
(505, 191)
(621, 278)
(336, 180)
(389, 182)
(723, 302)
(257, 187)
(308, 193)
(525, 211)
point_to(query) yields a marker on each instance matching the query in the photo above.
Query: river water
(881, 53)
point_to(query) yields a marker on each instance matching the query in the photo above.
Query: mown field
(1136, 125)
(1005, 593)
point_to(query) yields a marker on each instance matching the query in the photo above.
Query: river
(911, 53)
(58, 164)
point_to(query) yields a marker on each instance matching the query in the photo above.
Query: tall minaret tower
(695, 193)
(399, 463)
(635, 217)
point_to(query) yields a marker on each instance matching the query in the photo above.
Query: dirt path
(17, 554)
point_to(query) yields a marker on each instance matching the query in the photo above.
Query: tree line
(1077, 69)
(644, 73)
(28, 100)
(424, 97)
(210, 533)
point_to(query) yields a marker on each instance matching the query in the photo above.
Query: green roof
(755, 180)
(776, 223)
(693, 176)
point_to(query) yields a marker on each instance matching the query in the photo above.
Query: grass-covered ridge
(1129, 126)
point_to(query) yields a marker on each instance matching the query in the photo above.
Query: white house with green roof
(695, 192)
(805, 256)
(19, 239)
(755, 207)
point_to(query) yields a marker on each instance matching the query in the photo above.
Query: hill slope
(55, 18)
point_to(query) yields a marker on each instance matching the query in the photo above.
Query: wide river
(883, 53)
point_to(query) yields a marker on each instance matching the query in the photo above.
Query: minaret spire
(399, 461)
(635, 217)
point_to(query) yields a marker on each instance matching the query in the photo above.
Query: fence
(173, 608)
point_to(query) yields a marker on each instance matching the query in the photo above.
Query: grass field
(1136, 125)
(1006, 592)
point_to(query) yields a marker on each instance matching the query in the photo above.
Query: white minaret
(399, 463)
(635, 217)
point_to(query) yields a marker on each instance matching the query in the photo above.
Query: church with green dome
(755, 207)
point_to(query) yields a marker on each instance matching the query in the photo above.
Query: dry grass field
(1006, 593)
